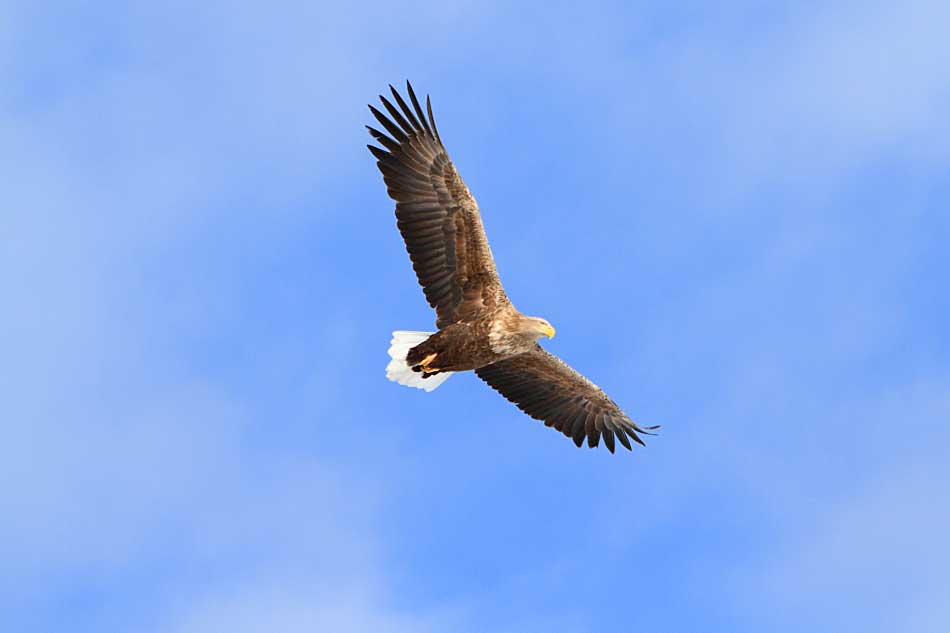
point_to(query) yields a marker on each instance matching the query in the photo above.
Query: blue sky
(736, 216)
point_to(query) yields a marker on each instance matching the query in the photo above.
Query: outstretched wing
(435, 212)
(548, 389)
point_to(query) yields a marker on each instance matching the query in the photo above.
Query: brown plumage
(478, 327)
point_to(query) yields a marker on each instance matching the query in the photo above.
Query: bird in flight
(478, 327)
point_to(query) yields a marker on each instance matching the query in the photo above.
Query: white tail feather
(399, 371)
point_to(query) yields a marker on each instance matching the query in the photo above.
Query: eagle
(478, 328)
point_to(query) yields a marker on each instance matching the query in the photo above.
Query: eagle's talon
(424, 363)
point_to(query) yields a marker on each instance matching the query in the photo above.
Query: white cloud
(293, 605)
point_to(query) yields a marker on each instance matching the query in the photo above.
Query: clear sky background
(737, 216)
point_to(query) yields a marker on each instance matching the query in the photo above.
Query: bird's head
(537, 327)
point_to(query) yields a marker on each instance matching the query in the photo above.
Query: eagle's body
(457, 347)
(491, 335)
(478, 327)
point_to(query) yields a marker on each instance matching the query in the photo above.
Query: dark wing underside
(437, 216)
(548, 389)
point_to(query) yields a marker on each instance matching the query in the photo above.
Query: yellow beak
(548, 331)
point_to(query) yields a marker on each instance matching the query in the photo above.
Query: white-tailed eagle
(478, 327)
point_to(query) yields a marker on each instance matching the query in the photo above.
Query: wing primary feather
(599, 421)
(565, 422)
(391, 127)
(380, 154)
(435, 130)
(384, 140)
(622, 436)
(427, 225)
(424, 191)
(430, 230)
(405, 109)
(420, 207)
(388, 161)
(397, 116)
(426, 244)
(580, 429)
(556, 419)
(418, 108)
(548, 408)
(609, 440)
(578, 438)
